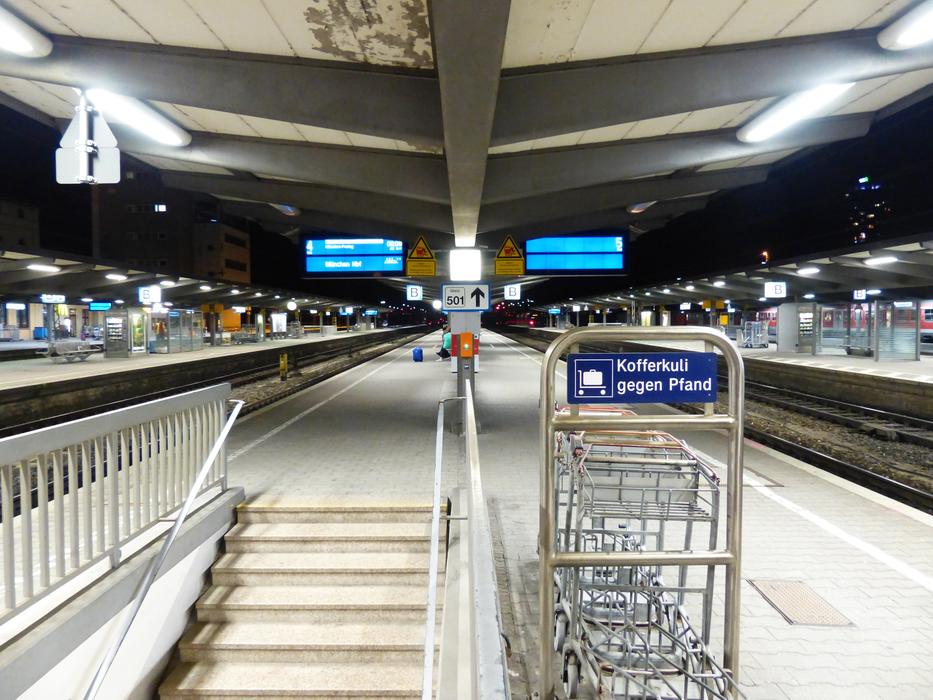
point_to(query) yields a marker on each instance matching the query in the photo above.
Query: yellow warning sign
(421, 261)
(509, 259)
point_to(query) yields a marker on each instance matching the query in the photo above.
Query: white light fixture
(116, 277)
(640, 207)
(873, 292)
(789, 111)
(167, 283)
(666, 290)
(809, 295)
(20, 38)
(728, 301)
(258, 294)
(291, 306)
(466, 264)
(167, 303)
(42, 267)
(234, 291)
(86, 300)
(437, 304)
(205, 287)
(240, 309)
(117, 301)
(138, 115)
(880, 260)
(277, 296)
(762, 298)
(719, 283)
(808, 271)
(913, 29)
(689, 287)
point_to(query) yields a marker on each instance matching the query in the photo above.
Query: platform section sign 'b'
(656, 377)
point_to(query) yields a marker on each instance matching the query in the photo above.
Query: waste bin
(417, 354)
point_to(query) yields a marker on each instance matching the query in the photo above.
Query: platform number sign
(859, 294)
(465, 297)
(414, 292)
(775, 290)
(513, 292)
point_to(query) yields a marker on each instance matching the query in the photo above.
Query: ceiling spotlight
(666, 291)
(640, 207)
(809, 295)
(116, 277)
(42, 267)
(689, 287)
(437, 304)
(873, 292)
(234, 291)
(789, 111)
(167, 303)
(205, 287)
(138, 115)
(117, 301)
(20, 38)
(258, 294)
(167, 283)
(277, 296)
(880, 260)
(719, 283)
(86, 300)
(291, 306)
(913, 29)
(808, 271)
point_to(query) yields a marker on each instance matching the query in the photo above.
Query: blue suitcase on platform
(417, 355)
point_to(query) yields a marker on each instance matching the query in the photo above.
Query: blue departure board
(594, 254)
(353, 256)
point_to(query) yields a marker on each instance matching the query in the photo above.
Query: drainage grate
(798, 603)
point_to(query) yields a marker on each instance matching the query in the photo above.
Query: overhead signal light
(789, 111)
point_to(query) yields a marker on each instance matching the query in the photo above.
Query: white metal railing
(488, 668)
(72, 494)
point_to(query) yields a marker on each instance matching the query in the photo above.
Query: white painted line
(871, 550)
(323, 402)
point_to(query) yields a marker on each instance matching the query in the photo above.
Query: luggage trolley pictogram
(629, 539)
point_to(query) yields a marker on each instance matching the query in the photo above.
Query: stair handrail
(148, 578)
(427, 678)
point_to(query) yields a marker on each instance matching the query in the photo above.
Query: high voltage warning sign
(509, 259)
(421, 261)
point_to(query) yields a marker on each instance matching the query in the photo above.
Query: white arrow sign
(465, 297)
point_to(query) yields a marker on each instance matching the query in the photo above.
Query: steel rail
(145, 583)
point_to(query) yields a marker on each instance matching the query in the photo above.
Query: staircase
(312, 601)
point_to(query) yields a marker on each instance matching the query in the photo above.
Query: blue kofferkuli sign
(650, 377)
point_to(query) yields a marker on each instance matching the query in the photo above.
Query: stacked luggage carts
(626, 629)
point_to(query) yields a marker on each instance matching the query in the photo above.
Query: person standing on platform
(446, 340)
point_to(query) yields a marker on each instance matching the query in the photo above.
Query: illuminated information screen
(575, 254)
(342, 256)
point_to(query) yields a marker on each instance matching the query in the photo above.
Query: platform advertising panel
(657, 377)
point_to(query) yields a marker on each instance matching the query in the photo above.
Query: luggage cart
(620, 498)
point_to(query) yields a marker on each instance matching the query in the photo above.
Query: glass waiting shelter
(883, 330)
(175, 330)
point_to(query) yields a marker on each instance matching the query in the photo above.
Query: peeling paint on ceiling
(382, 32)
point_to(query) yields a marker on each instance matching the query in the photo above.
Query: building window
(160, 208)
(928, 314)
(235, 240)
(22, 318)
(235, 265)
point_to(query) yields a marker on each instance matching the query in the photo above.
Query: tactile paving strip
(798, 603)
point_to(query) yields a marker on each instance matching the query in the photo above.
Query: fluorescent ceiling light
(117, 301)
(234, 291)
(809, 295)
(665, 291)
(42, 267)
(86, 300)
(138, 115)
(719, 283)
(873, 292)
(466, 264)
(205, 287)
(789, 111)
(913, 29)
(880, 260)
(116, 277)
(640, 207)
(808, 271)
(258, 294)
(689, 287)
(167, 303)
(20, 38)
(167, 283)
(286, 209)
(762, 298)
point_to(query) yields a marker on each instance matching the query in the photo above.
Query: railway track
(874, 422)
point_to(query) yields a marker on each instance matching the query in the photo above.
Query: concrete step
(333, 513)
(242, 681)
(363, 642)
(330, 568)
(315, 603)
(329, 537)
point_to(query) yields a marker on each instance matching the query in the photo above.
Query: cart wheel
(560, 631)
(571, 676)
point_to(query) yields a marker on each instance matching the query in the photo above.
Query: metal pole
(917, 329)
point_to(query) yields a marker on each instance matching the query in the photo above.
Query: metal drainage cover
(798, 603)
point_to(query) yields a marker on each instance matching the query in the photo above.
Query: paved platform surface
(17, 373)
(909, 370)
(369, 434)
